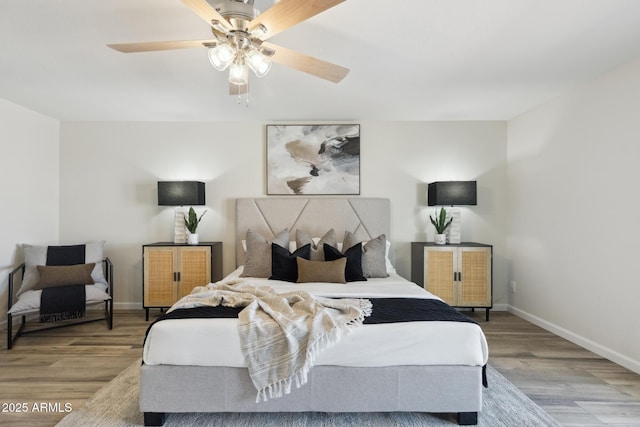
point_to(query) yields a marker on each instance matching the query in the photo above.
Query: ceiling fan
(239, 39)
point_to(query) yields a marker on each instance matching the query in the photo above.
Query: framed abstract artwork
(313, 159)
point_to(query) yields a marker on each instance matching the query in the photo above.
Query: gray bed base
(435, 389)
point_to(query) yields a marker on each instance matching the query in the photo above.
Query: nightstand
(460, 274)
(171, 271)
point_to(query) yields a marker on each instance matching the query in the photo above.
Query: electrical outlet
(512, 286)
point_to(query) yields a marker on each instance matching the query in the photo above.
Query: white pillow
(390, 268)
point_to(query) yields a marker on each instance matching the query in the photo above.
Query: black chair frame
(19, 271)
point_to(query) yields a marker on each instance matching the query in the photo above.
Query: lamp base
(180, 230)
(454, 234)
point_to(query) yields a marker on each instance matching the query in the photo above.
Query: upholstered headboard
(366, 217)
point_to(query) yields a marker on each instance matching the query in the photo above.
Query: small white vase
(441, 239)
(193, 239)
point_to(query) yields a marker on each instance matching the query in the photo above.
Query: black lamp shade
(180, 193)
(452, 193)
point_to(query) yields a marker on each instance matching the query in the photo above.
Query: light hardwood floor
(574, 385)
(67, 366)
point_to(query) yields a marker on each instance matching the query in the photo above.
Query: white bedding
(207, 342)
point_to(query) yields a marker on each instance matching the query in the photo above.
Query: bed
(375, 368)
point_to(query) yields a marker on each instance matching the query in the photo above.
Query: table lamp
(179, 194)
(453, 193)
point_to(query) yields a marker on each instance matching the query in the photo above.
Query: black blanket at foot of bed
(385, 310)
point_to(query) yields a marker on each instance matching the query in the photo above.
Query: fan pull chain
(247, 95)
(246, 99)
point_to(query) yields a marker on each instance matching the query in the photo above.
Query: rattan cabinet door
(475, 280)
(159, 278)
(439, 268)
(194, 268)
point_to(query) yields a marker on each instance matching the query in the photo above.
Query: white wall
(29, 151)
(573, 202)
(109, 173)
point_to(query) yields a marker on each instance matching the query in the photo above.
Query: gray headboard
(366, 217)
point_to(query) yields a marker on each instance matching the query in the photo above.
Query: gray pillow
(37, 255)
(258, 256)
(317, 250)
(374, 263)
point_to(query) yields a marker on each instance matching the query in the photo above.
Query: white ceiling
(409, 59)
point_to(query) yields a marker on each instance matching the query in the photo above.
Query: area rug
(116, 405)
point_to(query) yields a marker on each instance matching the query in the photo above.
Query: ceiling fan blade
(235, 89)
(155, 46)
(287, 13)
(307, 64)
(206, 12)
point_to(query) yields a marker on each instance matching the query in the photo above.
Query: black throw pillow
(353, 271)
(283, 263)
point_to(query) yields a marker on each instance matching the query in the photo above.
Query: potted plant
(441, 224)
(191, 222)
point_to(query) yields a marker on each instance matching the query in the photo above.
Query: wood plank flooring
(67, 366)
(573, 385)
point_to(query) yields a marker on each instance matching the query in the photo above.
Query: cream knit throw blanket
(280, 334)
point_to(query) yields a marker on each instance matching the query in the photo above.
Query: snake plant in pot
(441, 224)
(191, 222)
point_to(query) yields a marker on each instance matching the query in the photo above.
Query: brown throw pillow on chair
(63, 275)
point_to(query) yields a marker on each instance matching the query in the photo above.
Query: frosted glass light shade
(238, 74)
(258, 63)
(221, 56)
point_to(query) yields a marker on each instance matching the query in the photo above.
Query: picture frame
(315, 159)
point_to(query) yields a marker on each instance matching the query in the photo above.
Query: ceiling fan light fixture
(239, 39)
(221, 56)
(239, 73)
(259, 63)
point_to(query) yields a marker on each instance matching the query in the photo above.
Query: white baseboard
(607, 353)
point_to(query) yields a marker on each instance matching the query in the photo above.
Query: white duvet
(215, 342)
